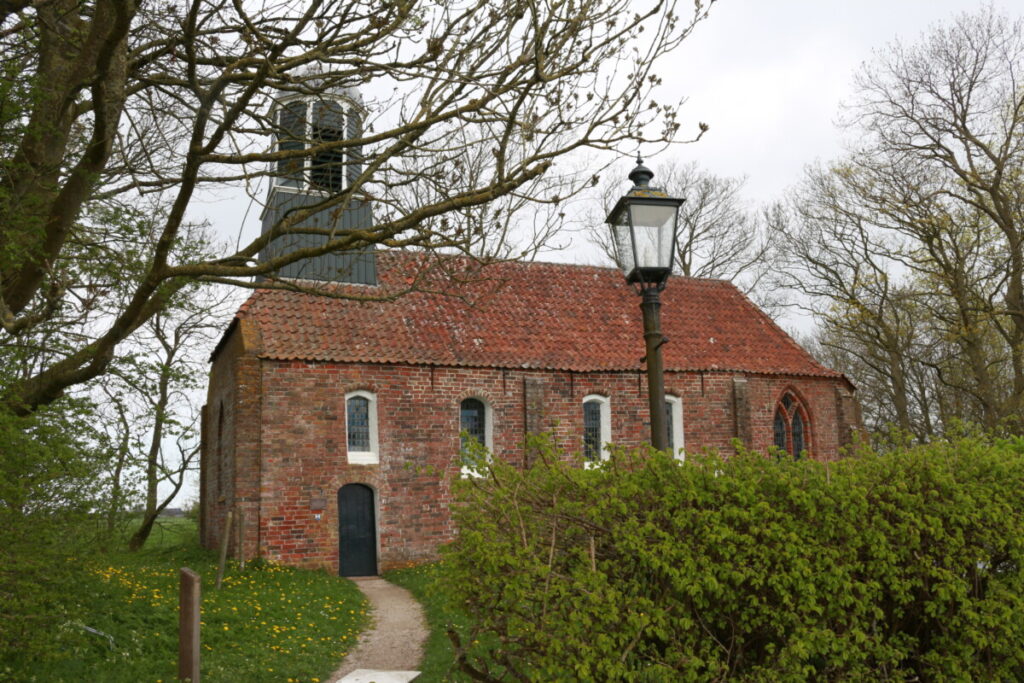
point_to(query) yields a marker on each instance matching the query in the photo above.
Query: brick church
(333, 426)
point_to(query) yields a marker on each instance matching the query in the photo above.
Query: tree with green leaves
(911, 247)
(148, 406)
(52, 467)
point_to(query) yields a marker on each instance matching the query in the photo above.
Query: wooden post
(225, 537)
(240, 523)
(188, 626)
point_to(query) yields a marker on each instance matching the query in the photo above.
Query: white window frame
(372, 456)
(678, 437)
(606, 426)
(488, 434)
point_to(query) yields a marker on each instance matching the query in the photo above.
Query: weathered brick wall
(294, 413)
(230, 464)
(218, 442)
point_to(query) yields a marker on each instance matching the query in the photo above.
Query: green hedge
(876, 567)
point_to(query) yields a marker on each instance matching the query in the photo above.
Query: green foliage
(49, 480)
(268, 623)
(902, 565)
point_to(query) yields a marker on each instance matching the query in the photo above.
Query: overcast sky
(769, 77)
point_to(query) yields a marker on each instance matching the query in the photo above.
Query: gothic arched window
(791, 429)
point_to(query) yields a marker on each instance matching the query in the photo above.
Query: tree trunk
(140, 536)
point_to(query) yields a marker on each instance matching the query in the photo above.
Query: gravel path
(395, 640)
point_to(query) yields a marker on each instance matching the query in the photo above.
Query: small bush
(897, 566)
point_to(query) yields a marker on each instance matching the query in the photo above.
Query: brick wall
(218, 441)
(230, 467)
(284, 440)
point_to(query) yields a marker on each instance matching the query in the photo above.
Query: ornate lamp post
(644, 225)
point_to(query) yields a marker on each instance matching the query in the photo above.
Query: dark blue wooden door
(357, 537)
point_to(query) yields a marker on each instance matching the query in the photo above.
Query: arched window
(790, 428)
(473, 421)
(674, 422)
(358, 423)
(361, 428)
(797, 433)
(780, 429)
(475, 425)
(597, 428)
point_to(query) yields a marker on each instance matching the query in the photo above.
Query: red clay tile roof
(524, 315)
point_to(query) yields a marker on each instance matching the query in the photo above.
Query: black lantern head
(644, 224)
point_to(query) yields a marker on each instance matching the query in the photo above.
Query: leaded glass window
(790, 428)
(472, 423)
(780, 429)
(358, 424)
(592, 430)
(798, 434)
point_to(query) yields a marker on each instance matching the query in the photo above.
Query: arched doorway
(357, 531)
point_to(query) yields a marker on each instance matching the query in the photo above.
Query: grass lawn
(267, 623)
(422, 581)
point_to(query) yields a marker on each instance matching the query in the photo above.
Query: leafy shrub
(897, 566)
(51, 478)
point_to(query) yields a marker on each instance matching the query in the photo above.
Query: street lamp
(644, 224)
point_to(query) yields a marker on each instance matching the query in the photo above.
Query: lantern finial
(641, 175)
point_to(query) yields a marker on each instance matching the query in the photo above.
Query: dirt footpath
(394, 642)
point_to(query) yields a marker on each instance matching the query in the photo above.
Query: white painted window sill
(363, 458)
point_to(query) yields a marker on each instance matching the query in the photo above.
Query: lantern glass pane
(652, 225)
(623, 246)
